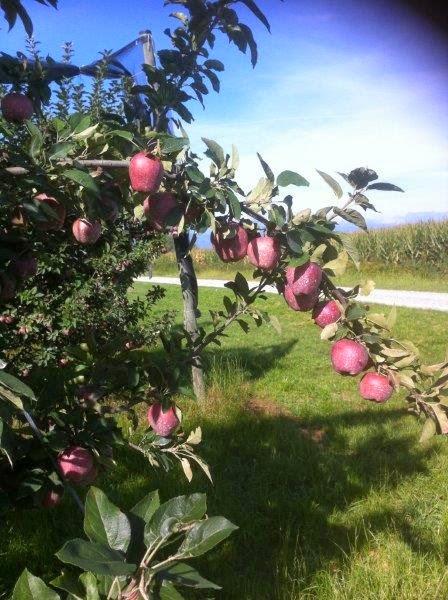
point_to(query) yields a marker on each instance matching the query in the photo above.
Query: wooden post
(188, 279)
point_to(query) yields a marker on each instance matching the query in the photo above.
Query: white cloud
(342, 115)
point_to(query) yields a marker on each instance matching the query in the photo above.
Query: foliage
(14, 8)
(126, 554)
(417, 245)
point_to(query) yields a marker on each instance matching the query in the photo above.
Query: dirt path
(424, 300)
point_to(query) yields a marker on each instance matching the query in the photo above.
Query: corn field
(418, 245)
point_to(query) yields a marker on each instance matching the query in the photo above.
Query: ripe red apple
(7, 287)
(76, 464)
(304, 279)
(375, 387)
(326, 312)
(52, 498)
(300, 302)
(16, 107)
(145, 172)
(349, 357)
(24, 267)
(264, 252)
(7, 319)
(109, 209)
(157, 208)
(163, 423)
(231, 249)
(51, 223)
(86, 232)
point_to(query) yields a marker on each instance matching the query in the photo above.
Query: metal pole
(188, 279)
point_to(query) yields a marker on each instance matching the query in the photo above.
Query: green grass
(208, 266)
(335, 498)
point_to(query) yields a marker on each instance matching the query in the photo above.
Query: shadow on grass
(279, 478)
(281, 488)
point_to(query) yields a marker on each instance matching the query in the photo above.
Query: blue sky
(339, 84)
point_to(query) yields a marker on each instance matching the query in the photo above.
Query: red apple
(157, 208)
(264, 252)
(349, 357)
(304, 279)
(299, 302)
(231, 249)
(163, 423)
(76, 464)
(145, 172)
(86, 232)
(375, 387)
(51, 223)
(7, 319)
(17, 107)
(52, 498)
(326, 312)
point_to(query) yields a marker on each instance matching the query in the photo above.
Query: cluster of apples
(301, 291)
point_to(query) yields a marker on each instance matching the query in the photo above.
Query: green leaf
(215, 152)
(194, 174)
(205, 535)
(291, 178)
(146, 508)
(262, 192)
(94, 557)
(184, 574)
(348, 241)
(332, 183)
(429, 430)
(169, 592)
(126, 135)
(352, 216)
(294, 241)
(338, 266)
(91, 586)
(173, 145)
(354, 312)
(386, 187)
(257, 12)
(104, 522)
(60, 150)
(86, 133)
(234, 204)
(216, 65)
(266, 168)
(29, 587)
(83, 179)
(17, 386)
(37, 140)
(70, 584)
(182, 509)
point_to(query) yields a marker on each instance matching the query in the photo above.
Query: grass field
(427, 279)
(335, 498)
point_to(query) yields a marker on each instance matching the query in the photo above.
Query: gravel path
(425, 300)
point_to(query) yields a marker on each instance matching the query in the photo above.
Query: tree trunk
(189, 286)
(188, 280)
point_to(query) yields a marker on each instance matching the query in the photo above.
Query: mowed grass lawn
(335, 497)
